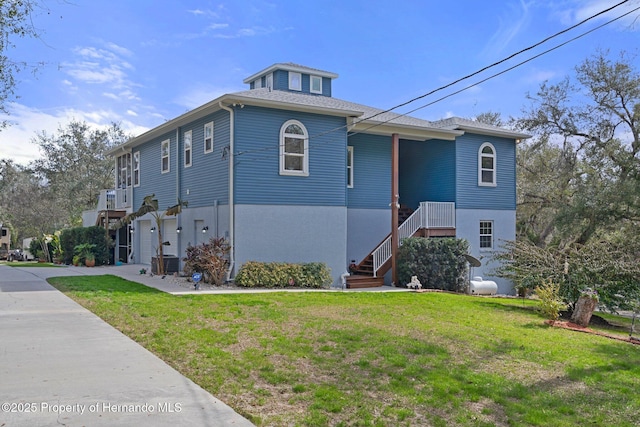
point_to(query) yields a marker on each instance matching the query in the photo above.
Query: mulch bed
(574, 327)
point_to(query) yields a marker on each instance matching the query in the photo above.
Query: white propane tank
(482, 287)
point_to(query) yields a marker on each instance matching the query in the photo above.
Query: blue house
(287, 172)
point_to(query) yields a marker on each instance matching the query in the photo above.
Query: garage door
(170, 235)
(145, 241)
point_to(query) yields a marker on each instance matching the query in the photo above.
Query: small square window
(295, 81)
(316, 84)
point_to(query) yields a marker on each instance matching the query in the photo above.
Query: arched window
(487, 165)
(294, 149)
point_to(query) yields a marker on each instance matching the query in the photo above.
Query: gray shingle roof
(458, 123)
(362, 112)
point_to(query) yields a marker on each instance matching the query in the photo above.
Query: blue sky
(142, 62)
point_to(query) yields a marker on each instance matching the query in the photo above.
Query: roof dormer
(294, 78)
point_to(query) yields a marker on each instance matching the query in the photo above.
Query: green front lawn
(28, 264)
(379, 359)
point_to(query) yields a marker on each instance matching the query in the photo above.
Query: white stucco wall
(366, 228)
(504, 228)
(293, 234)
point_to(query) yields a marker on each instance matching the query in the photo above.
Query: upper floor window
(295, 81)
(316, 84)
(487, 165)
(136, 169)
(268, 81)
(486, 234)
(165, 155)
(294, 149)
(208, 137)
(187, 148)
(349, 167)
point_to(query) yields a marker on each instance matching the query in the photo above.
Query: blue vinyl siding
(471, 196)
(257, 168)
(371, 172)
(152, 180)
(208, 177)
(281, 82)
(427, 172)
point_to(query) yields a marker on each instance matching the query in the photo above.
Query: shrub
(439, 263)
(210, 259)
(283, 275)
(550, 302)
(94, 235)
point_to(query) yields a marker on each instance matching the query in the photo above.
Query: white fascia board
(503, 133)
(288, 67)
(415, 133)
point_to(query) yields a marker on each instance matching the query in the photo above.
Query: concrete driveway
(62, 365)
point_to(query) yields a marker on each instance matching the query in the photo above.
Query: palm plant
(150, 206)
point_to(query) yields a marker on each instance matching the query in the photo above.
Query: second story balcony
(115, 199)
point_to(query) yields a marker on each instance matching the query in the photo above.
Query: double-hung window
(187, 148)
(165, 150)
(487, 165)
(350, 167)
(486, 234)
(136, 169)
(294, 149)
(208, 137)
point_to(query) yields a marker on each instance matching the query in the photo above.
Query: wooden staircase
(108, 217)
(362, 276)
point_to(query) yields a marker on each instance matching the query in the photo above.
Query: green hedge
(71, 237)
(439, 263)
(255, 274)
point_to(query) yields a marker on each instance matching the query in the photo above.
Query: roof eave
(504, 133)
(416, 133)
(288, 67)
(283, 105)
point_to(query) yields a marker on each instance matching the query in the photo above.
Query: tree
(150, 206)
(75, 167)
(587, 146)
(15, 21)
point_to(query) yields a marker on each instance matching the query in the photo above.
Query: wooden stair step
(362, 281)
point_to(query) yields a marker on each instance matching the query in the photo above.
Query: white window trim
(495, 165)
(311, 84)
(305, 158)
(136, 168)
(257, 83)
(480, 235)
(188, 137)
(291, 81)
(210, 124)
(168, 156)
(268, 81)
(350, 169)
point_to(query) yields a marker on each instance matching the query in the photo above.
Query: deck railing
(115, 199)
(428, 215)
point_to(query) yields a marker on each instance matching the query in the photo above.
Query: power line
(460, 80)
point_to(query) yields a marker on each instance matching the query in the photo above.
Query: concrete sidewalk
(62, 365)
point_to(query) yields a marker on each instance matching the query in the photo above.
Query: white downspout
(232, 258)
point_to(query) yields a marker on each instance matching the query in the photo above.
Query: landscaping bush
(550, 302)
(283, 275)
(439, 263)
(94, 235)
(210, 259)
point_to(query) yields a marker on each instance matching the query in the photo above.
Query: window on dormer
(295, 81)
(316, 84)
(268, 81)
(257, 84)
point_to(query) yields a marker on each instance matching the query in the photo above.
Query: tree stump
(583, 310)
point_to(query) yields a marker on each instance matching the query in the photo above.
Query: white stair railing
(428, 215)
(114, 199)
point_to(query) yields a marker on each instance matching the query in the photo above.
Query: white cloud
(580, 10)
(511, 24)
(16, 141)
(198, 95)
